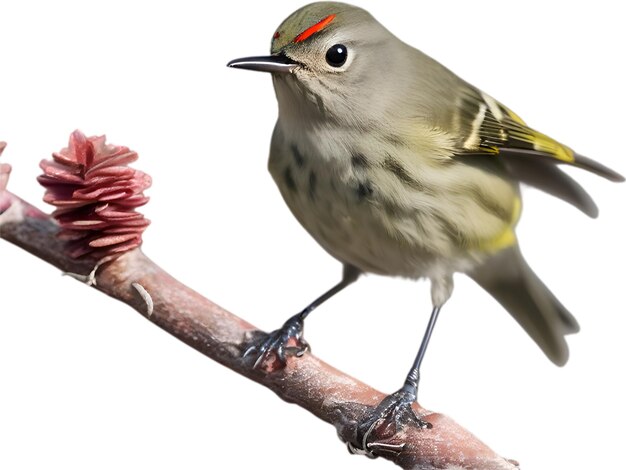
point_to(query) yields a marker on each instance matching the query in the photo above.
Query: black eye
(337, 55)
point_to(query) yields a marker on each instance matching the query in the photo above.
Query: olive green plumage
(397, 166)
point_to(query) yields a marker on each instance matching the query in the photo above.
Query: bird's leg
(413, 378)
(396, 410)
(288, 339)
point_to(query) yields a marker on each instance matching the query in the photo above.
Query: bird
(397, 166)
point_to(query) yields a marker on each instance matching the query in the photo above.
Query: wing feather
(484, 126)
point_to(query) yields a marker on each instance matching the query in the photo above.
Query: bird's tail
(509, 279)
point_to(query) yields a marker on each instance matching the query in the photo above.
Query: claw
(279, 343)
(258, 361)
(280, 352)
(298, 351)
(248, 351)
(396, 410)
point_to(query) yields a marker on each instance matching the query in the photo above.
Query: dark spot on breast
(359, 161)
(289, 181)
(320, 104)
(395, 167)
(364, 190)
(297, 156)
(394, 140)
(312, 185)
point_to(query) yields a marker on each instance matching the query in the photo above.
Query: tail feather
(509, 279)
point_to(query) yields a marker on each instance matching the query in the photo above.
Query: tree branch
(308, 382)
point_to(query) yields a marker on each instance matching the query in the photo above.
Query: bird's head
(330, 61)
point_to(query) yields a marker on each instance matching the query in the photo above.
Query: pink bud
(96, 195)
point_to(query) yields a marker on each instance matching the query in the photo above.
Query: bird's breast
(378, 209)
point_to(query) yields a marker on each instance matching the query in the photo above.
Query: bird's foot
(287, 341)
(377, 433)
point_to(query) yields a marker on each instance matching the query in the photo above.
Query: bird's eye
(337, 55)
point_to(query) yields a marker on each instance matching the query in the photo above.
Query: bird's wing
(483, 126)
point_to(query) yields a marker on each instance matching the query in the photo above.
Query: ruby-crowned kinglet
(396, 166)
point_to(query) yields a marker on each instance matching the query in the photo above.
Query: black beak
(271, 63)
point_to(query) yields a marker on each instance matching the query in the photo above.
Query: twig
(308, 382)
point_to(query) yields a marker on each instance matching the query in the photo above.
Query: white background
(86, 383)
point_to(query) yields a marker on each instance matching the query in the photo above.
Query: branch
(308, 382)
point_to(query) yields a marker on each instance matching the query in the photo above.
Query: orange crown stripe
(314, 29)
